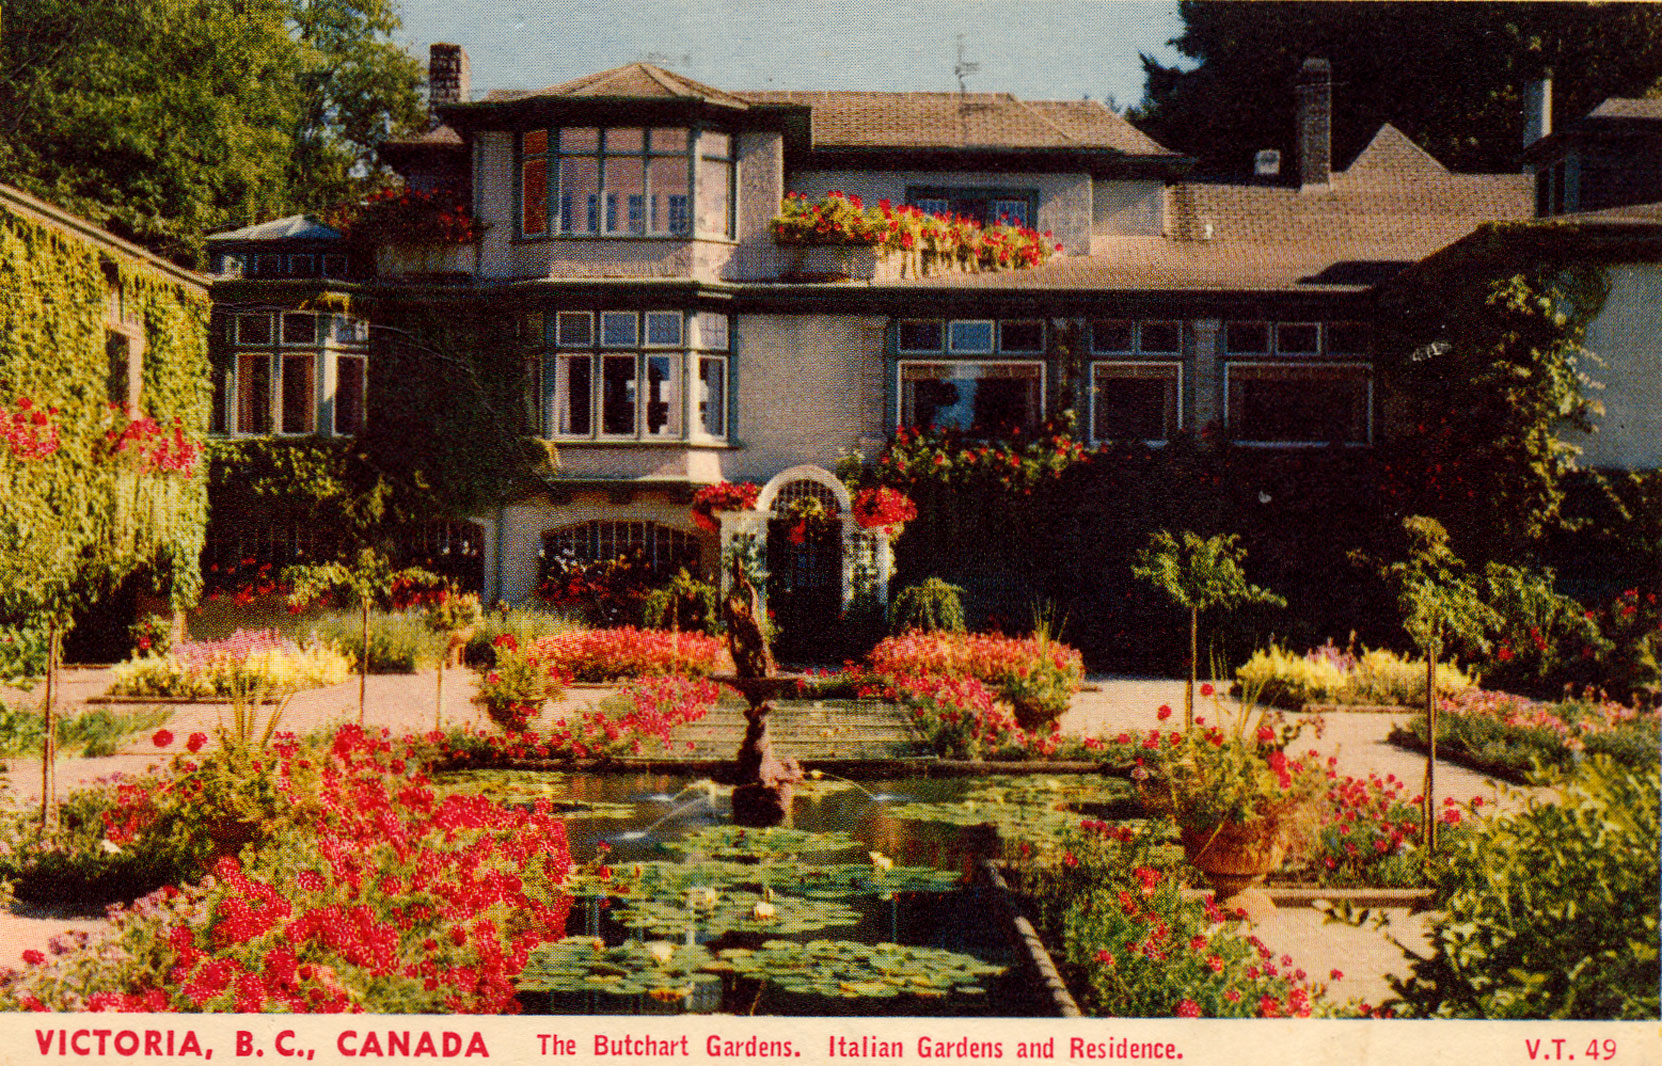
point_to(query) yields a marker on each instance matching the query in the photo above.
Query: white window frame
(1181, 420)
(1365, 367)
(992, 336)
(900, 381)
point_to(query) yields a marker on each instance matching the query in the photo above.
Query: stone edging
(1416, 899)
(858, 769)
(1028, 937)
(1354, 708)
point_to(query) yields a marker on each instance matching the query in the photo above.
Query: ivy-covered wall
(79, 519)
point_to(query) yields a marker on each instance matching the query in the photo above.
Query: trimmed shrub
(600, 655)
(930, 606)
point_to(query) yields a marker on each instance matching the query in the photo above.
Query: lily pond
(867, 903)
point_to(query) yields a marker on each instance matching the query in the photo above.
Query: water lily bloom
(763, 910)
(661, 950)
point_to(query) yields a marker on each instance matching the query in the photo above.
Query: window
(253, 392)
(1018, 207)
(1297, 338)
(970, 338)
(303, 266)
(1136, 400)
(533, 183)
(920, 336)
(124, 349)
(1021, 336)
(315, 381)
(1289, 403)
(299, 393)
(574, 329)
(619, 329)
(351, 374)
(712, 395)
(663, 395)
(1114, 336)
(715, 184)
(1346, 338)
(334, 266)
(660, 548)
(611, 182)
(573, 392)
(663, 329)
(985, 398)
(1249, 338)
(617, 395)
(299, 328)
(253, 329)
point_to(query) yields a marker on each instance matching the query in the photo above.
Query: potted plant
(514, 688)
(1240, 801)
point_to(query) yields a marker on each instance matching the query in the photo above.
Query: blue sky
(1037, 49)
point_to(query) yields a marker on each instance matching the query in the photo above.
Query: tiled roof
(1394, 206)
(294, 227)
(1621, 107)
(1154, 264)
(961, 120)
(440, 136)
(637, 81)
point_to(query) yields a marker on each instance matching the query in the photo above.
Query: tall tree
(166, 119)
(1450, 76)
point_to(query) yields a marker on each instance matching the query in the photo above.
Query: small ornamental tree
(368, 581)
(1441, 607)
(453, 614)
(1199, 574)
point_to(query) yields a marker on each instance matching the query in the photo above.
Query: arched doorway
(806, 580)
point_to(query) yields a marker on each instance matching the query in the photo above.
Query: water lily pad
(847, 970)
(736, 912)
(732, 841)
(584, 964)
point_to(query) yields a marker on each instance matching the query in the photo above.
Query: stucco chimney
(1315, 124)
(1537, 110)
(449, 78)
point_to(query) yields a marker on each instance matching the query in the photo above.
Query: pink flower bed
(962, 717)
(599, 655)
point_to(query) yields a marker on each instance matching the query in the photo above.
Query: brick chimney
(1315, 124)
(449, 78)
(1537, 110)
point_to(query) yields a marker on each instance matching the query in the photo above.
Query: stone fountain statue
(763, 782)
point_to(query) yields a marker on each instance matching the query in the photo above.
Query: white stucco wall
(809, 387)
(1128, 208)
(1627, 338)
(1064, 199)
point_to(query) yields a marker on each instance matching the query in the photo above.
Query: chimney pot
(1315, 124)
(449, 79)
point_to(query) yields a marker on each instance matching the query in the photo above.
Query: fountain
(763, 782)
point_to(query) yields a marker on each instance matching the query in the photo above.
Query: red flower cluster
(150, 448)
(413, 216)
(951, 457)
(883, 508)
(417, 902)
(27, 431)
(722, 496)
(840, 219)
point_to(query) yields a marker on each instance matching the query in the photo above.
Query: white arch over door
(806, 472)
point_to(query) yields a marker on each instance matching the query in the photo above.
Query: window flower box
(923, 244)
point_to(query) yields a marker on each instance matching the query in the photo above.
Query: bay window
(292, 372)
(629, 375)
(589, 181)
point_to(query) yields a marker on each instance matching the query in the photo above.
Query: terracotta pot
(1235, 857)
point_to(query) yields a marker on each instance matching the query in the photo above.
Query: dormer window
(588, 181)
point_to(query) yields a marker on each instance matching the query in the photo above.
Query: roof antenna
(964, 68)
